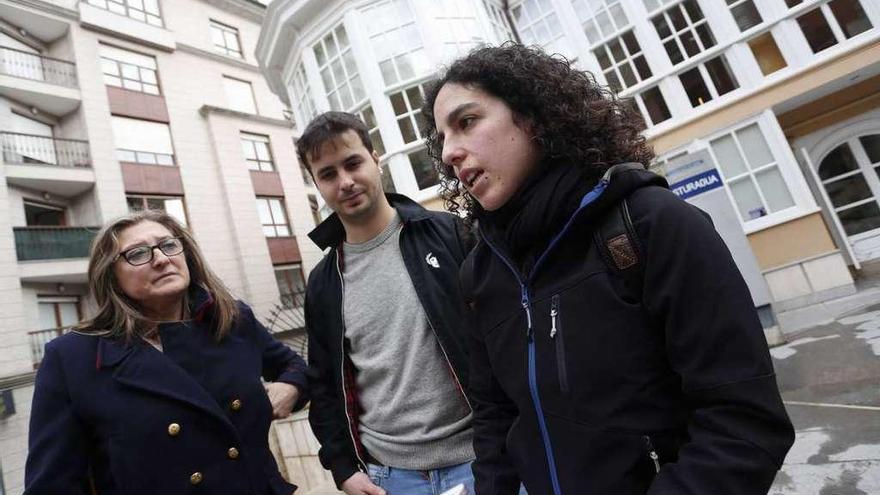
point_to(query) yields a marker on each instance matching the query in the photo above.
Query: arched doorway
(850, 174)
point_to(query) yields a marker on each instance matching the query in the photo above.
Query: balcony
(58, 166)
(46, 83)
(39, 339)
(53, 254)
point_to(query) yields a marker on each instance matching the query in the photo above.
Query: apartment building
(111, 106)
(772, 105)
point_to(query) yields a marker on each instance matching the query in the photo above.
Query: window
(684, 31)
(387, 180)
(423, 169)
(744, 13)
(140, 10)
(502, 29)
(456, 22)
(256, 152)
(291, 285)
(369, 118)
(537, 23)
(600, 19)
(31, 141)
(708, 81)
(273, 217)
(751, 172)
(767, 53)
(407, 105)
(819, 25)
(239, 95)
(849, 175)
(339, 70)
(226, 40)
(171, 205)
(57, 312)
(141, 141)
(396, 41)
(305, 105)
(622, 62)
(43, 215)
(652, 5)
(129, 70)
(652, 106)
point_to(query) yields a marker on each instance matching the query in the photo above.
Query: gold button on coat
(232, 453)
(235, 405)
(196, 478)
(174, 429)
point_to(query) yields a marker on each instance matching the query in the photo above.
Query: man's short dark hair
(326, 127)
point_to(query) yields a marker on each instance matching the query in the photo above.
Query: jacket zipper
(363, 465)
(652, 454)
(439, 343)
(526, 304)
(557, 335)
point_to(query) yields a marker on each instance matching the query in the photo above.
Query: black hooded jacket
(581, 386)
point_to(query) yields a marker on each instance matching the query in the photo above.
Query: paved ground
(830, 380)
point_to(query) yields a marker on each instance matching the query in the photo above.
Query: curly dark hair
(573, 119)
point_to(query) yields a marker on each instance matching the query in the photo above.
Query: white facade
(99, 100)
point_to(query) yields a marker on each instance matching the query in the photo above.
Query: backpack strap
(619, 246)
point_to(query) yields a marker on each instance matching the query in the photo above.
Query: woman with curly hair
(615, 345)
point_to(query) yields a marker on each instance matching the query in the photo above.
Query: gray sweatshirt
(414, 416)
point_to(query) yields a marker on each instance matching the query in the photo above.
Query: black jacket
(580, 386)
(433, 244)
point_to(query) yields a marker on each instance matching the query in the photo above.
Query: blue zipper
(525, 301)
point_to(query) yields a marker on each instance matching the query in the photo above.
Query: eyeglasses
(141, 255)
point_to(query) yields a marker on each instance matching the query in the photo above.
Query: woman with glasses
(161, 391)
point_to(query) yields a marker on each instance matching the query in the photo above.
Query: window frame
(676, 34)
(348, 64)
(785, 161)
(140, 81)
(127, 9)
(253, 138)
(275, 226)
(146, 197)
(224, 49)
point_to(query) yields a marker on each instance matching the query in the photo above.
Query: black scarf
(526, 224)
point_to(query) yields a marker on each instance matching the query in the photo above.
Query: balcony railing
(39, 339)
(42, 150)
(51, 243)
(18, 63)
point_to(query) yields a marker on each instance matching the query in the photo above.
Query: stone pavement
(829, 376)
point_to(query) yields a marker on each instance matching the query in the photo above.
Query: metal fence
(18, 63)
(49, 243)
(39, 339)
(287, 322)
(33, 149)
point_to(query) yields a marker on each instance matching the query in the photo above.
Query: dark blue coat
(133, 420)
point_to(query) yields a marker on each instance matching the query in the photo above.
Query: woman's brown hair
(121, 317)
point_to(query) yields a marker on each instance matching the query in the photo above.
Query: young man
(384, 318)
(616, 346)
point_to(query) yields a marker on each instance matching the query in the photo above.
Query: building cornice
(48, 7)
(207, 110)
(194, 50)
(17, 381)
(247, 9)
(280, 31)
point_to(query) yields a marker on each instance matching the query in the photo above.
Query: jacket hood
(331, 232)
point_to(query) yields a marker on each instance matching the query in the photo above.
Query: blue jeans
(397, 481)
